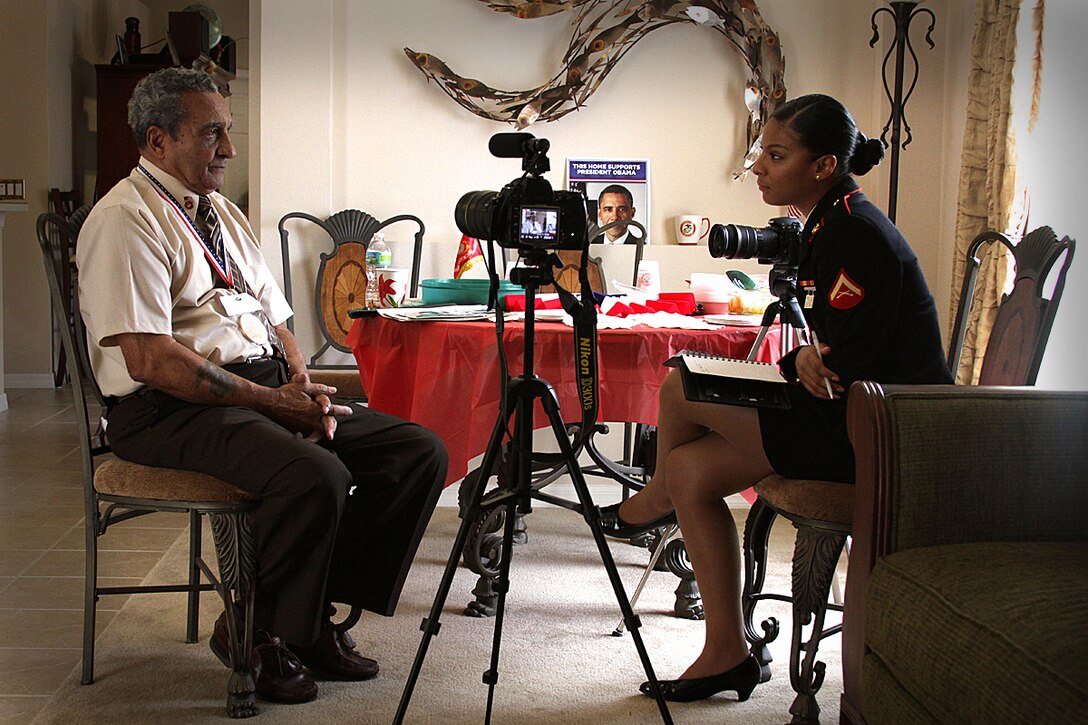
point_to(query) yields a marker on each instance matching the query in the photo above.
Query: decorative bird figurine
(602, 33)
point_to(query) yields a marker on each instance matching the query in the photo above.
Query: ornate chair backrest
(55, 233)
(341, 275)
(1021, 328)
(567, 275)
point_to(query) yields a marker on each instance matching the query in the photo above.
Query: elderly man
(188, 338)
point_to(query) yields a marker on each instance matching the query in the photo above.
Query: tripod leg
(658, 550)
(589, 513)
(431, 625)
(502, 585)
(521, 464)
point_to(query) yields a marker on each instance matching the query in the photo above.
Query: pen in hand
(816, 344)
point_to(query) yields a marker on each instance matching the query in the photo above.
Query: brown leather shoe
(334, 657)
(278, 674)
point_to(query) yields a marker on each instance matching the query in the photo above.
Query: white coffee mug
(692, 229)
(649, 277)
(393, 286)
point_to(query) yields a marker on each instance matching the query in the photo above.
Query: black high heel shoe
(742, 679)
(613, 525)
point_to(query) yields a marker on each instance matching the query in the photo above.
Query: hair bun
(868, 153)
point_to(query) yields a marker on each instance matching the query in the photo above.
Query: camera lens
(736, 242)
(473, 214)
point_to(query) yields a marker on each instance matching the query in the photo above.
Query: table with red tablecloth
(445, 375)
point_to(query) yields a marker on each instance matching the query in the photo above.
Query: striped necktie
(208, 220)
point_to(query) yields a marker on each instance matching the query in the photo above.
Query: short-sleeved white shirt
(142, 269)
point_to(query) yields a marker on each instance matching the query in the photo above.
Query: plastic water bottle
(378, 257)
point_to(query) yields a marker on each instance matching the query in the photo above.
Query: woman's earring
(817, 177)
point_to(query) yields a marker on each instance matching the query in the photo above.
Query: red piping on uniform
(846, 199)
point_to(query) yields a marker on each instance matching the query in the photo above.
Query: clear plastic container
(378, 257)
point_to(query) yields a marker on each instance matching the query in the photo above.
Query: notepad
(728, 381)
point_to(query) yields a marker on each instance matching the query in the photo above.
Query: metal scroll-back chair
(115, 491)
(341, 286)
(822, 511)
(64, 203)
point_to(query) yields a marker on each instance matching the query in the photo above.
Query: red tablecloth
(445, 375)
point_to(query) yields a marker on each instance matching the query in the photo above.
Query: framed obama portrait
(616, 190)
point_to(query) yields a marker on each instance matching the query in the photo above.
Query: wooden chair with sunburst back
(340, 285)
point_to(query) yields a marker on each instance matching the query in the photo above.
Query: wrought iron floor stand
(523, 392)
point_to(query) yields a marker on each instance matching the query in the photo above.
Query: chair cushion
(819, 500)
(347, 382)
(115, 477)
(992, 632)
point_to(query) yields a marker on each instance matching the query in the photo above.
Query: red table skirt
(445, 375)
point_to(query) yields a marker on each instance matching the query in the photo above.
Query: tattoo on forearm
(218, 380)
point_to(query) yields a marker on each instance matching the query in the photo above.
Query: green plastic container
(464, 291)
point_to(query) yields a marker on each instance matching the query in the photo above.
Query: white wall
(25, 154)
(1057, 159)
(345, 120)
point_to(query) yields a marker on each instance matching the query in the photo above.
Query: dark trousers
(339, 520)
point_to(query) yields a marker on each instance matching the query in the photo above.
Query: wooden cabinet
(117, 153)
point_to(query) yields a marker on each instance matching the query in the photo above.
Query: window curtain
(989, 194)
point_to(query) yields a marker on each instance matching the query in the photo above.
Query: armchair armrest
(941, 464)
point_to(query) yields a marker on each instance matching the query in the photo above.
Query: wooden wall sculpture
(603, 32)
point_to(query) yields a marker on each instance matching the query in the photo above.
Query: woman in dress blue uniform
(864, 296)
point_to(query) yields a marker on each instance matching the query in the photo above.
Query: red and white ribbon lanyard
(219, 265)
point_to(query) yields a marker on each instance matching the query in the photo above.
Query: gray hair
(156, 101)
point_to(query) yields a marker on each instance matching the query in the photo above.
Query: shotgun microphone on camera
(516, 145)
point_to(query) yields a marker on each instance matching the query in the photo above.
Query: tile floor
(41, 550)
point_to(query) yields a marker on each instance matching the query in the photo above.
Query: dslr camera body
(527, 214)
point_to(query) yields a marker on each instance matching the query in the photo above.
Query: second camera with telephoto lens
(777, 243)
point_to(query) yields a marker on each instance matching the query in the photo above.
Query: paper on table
(447, 312)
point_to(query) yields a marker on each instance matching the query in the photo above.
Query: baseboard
(28, 380)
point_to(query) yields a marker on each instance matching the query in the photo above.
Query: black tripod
(782, 281)
(522, 391)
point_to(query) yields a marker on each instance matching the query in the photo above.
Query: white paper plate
(734, 319)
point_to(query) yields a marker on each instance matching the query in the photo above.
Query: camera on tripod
(777, 243)
(527, 213)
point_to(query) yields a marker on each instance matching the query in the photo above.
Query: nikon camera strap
(584, 314)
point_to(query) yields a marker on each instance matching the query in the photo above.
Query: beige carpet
(558, 662)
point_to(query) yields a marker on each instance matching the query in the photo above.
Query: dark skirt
(809, 440)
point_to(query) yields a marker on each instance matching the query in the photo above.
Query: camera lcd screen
(539, 224)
